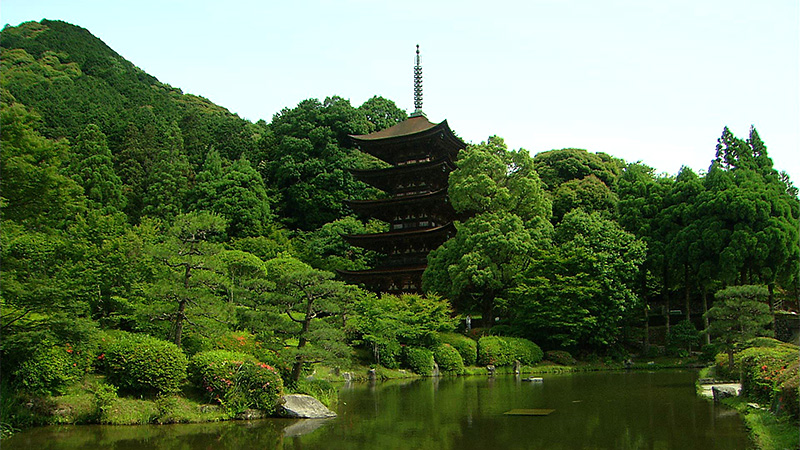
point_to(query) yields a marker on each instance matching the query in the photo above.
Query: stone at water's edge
(724, 391)
(303, 406)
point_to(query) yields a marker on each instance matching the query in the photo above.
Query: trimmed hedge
(419, 359)
(560, 357)
(143, 364)
(466, 347)
(494, 350)
(787, 397)
(448, 359)
(236, 380)
(524, 350)
(761, 367)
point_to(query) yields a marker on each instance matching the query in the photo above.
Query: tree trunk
(665, 294)
(705, 317)
(686, 291)
(179, 316)
(297, 367)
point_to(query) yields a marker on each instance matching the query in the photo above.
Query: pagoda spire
(417, 88)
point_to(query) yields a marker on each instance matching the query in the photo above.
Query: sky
(650, 81)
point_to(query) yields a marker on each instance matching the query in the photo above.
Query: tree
(588, 193)
(91, 166)
(556, 167)
(326, 249)
(189, 283)
(34, 192)
(306, 155)
(740, 314)
(313, 300)
(382, 113)
(386, 322)
(235, 191)
(580, 292)
(510, 223)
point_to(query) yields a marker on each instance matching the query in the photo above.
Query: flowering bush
(144, 364)
(49, 370)
(236, 380)
(761, 369)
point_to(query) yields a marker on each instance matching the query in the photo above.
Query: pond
(610, 410)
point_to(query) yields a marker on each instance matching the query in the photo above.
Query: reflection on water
(635, 410)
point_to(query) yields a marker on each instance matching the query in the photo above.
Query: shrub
(560, 357)
(236, 380)
(524, 350)
(466, 347)
(448, 359)
(786, 400)
(419, 359)
(761, 367)
(682, 338)
(389, 355)
(48, 371)
(494, 350)
(144, 364)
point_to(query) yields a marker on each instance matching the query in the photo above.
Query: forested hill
(161, 141)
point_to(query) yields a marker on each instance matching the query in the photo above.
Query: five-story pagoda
(421, 155)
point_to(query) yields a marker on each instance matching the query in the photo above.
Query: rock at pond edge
(301, 406)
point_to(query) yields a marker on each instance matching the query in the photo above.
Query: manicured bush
(448, 359)
(524, 350)
(761, 367)
(786, 400)
(467, 348)
(419, 359)
(560, 357)
(49, 370)
(494, 350)
(140, 363)
(236, 380)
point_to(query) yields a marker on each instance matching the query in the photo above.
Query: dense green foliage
(419, 359)
(448, 359)
(494, 350)
(466, 347)
(140, 363)
(525, 351)
(166, 225)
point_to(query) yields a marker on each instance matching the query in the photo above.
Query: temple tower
(421, 156)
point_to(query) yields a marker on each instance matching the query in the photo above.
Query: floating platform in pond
(529, 412)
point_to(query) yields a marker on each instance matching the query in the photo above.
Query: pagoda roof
(413, 125)
(378, 241)
(383, 271)
(387, 209)
(414, 132)
(383, 178)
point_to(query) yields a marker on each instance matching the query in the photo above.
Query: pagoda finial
(417, 88)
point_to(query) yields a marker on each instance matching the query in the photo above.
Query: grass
(767, 431)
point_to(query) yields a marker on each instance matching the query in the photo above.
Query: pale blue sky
(640, 80)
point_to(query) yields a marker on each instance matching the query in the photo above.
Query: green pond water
(617, 410)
